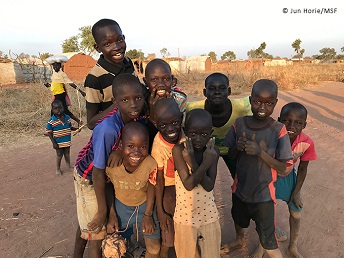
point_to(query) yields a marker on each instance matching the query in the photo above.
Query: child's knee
(295, 214)
(152, 246)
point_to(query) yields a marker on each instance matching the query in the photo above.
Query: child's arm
(51, 137)
(192, 180)
(112, 224)
(148, 225)
(300, 179)
(94, 115)
(251, 148)
(98, 178)
(159, 192)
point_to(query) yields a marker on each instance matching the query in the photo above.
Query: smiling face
(216, 89)
(158, 76)
(129, 99)
(263, 99)
(111, 42)
(134, 146)
(294, 120)
(169, 123)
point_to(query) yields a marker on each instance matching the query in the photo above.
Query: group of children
(151, 161)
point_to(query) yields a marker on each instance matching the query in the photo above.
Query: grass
(25, 109)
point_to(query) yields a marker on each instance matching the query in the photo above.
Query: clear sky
(192, 27)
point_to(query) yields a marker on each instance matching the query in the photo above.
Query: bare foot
(259, 253)
(58, 172)
(237, 244)
(294, 253)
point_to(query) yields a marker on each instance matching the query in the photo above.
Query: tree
(87, 41)
(327, 53)
(70, 45)
(212, 56)
(299, 52)
(229, 55)
(1, 53)
(151, 56)
(342, 49)
(44, 56)
(259, 52)
(163, 52)
(135, 54)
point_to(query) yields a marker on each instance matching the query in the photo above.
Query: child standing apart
(169, 123)
(134, 194)
(110, 42)
(59, 79)
(89, 171)
(223, 110)
(288, 188)
(196, 218)
(59, 130)
(261, 146)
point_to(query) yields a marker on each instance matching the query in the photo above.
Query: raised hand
(210, 153)
(242, 142)
(252, 147)
(188, 152)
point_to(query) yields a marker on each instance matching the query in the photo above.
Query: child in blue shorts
(288, 189)
(134, 194)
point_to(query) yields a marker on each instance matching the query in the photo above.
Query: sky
(183, 27)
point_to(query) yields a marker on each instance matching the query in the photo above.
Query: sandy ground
(38, 213)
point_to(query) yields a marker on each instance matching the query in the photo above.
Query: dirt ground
(38, 213)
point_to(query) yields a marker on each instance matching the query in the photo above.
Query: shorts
(207, 237)
(285, 187)
(262, 213)
(169, 203)
(86, 206)
(128, 216)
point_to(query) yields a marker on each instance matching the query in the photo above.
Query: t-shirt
(131, 188)
(98, 82)
(162, 153)
(254, 179)
(194, 208)
(61, 131)
(58, 80)
(303, 149)
(105, 138)
(240, 107)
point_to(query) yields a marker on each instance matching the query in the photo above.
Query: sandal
(135, 251)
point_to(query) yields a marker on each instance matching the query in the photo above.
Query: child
(261, 146)
(89, 171)
(169, 123)
(59, 130)
(196, 219)
(223, 110)
(59, 79)
(110, 41)
(134, 194)
(288, 188)
(159, 81)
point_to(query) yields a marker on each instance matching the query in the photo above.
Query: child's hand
(55, 146)
(164, 220)
(242, 142)
(188, 152)
(251, 147)
(112, 225)
(148, 225)
(97, 222)
(154, 97)
(296, 199)
(115, 158)
(210, 153)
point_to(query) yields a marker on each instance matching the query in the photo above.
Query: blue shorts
(124, 213)
(285, 187)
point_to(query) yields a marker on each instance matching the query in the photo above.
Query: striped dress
(61, 131)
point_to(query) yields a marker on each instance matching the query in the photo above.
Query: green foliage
(212, 56)
(229, 55)
(259, 52)
(151, 56)
(87, 41)
(135, 54)
(342, 49)
(327, 53)
(164, 52)
(44, 56)
(70, 45)
(297, 47)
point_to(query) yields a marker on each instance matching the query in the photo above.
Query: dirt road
(38, 213)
